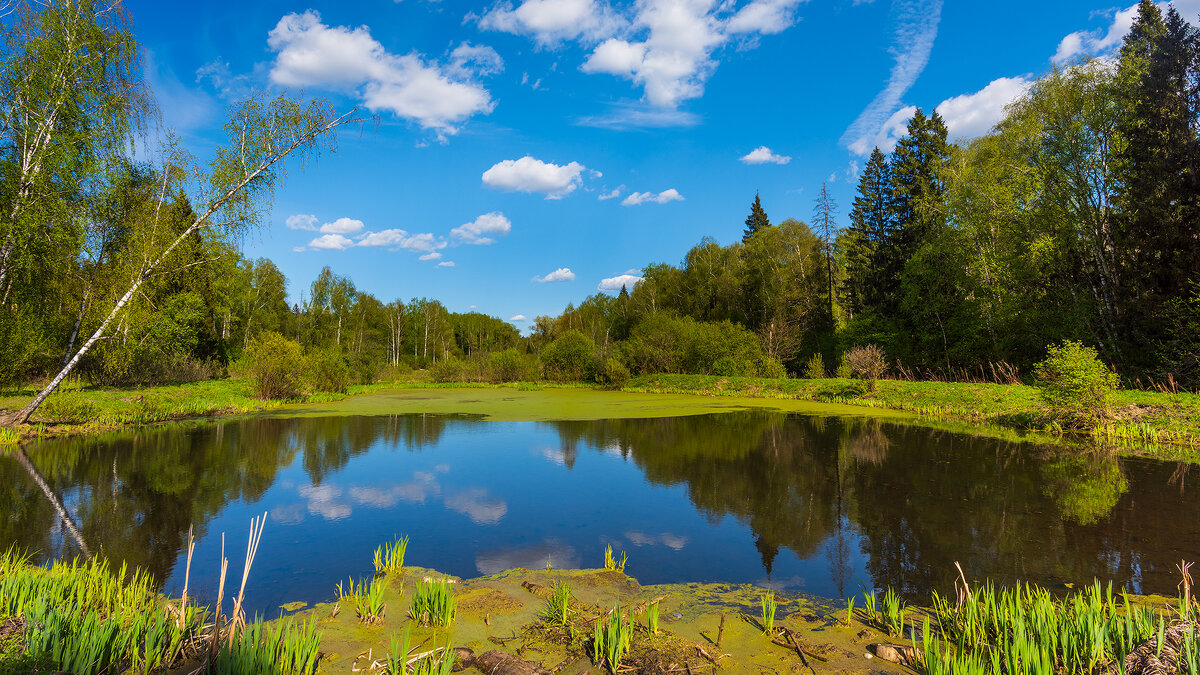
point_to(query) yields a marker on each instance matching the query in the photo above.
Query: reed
(611, 563)
(397, 659)
(893, 613)
(610, 639)
(368, 601)
(871, 607)
(652, 618)
(9, 436)
(433, 603)
(768, 611)
(389, 558)
(287, 648)
(556, 608)
(849, 611)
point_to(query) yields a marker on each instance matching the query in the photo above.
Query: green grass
(769, 605)
(611, 563)
(389, 558)
(611, 638)
(556, 607)
(1142, 417)
(433, 603)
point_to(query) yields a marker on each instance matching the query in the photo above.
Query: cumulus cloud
(342, 226)
(635, 198)
(533, 175)
(448, 263)
(301, 221)
(331, 242)
(479, 230)
(616, 192)
(519, 317)
(912, 41)
(430, 256)
(400, 239)
(972, 115)
(549, 22)
(1096, 42)
(665, 47)
(615, 284)
(438, 97)
(763, 155)
(560, 274)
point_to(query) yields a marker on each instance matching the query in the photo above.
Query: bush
(1075, 384)
(567, 358)
(815, 368)
(507, 366)
(611, 373)
(867, 363)
(843, 369)
(276, 364)
(327, 370)
(449, 369)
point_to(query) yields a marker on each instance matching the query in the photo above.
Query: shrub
(568, 357)
(327, 370)
(814, 369)
(1075, 384)
(275, 363)
(843, 369)
(449, 369)
(612, 373)
(507, 366)
(867, 363)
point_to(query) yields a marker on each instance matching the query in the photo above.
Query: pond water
(823, 505)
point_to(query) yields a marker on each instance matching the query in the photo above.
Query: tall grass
(556, 608)
(433, 603)
(611, 638)
(767, 601)
(611, 563)
(287, 649)
(389, 558)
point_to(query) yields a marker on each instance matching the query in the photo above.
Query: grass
(556, 607)
(611, 563)
(652, 618)
(610, 639)
(286, 648)
(76, 408)
(1141, 417)
(368, 599)
(769, 605)
(389, 558)
(433, 603)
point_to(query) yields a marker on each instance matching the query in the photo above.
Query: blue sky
(527, 152)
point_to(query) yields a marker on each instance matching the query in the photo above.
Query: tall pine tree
(757, 219)
(872, 220)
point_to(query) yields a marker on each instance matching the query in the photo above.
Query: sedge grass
(389, 558)
(433, 603)
(556, 607)
(368, 600)
(610, 639)
(652, 618)
(611, 563)
(768, 605)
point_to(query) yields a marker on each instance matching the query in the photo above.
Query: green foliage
(327, 370)
(433, 603)
(389, 558)
(757, 220)
(568, 357)
(814, 369)
(612, 373)
(286, 648)
(448, 370)
(276, 364)
(1075, 385)
(652, 618)
(556, 607)
(611, 563)
(611, 638)
(507, 366)
(767, 615)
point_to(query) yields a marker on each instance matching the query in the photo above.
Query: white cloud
(635, 198)
(331, 242)
(973, 115)
(552, 21)
(468, 60)
(616, 283)
(430, 256)
(763, 155)
(665, 47)
(477, 231)
(763, 16)
(342, 226)
(301, 221)
(616, 192)
(400, 239)
(1097, 42)
(560, 274)
(448, 263)
(916, 30)
(519, 317)
(639, 115)
(311, 54)
(299, 249)
(533, 175)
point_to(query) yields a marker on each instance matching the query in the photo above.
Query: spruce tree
(872, 220)
(757, 219)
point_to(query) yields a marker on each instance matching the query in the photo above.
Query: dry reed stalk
(237, 618)
(187, 573)
(964, 593)
(1185, 584)
(216, 634)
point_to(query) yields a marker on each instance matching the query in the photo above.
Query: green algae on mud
(512, 404)
(503, 611)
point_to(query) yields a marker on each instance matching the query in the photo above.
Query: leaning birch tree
(231, 196)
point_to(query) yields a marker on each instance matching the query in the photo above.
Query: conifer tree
(757, 219)
(871, 225)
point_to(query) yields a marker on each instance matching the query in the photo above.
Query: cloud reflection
(478, 505)
(322, 501)
(560, 556)
(674, 541)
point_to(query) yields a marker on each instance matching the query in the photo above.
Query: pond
(802, 502)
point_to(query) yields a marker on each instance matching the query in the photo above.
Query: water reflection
(823, 504)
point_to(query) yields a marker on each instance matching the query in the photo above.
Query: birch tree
(231, 196)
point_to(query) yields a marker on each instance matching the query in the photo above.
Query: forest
(1076, 218)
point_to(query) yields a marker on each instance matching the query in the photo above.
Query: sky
(522, 155)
